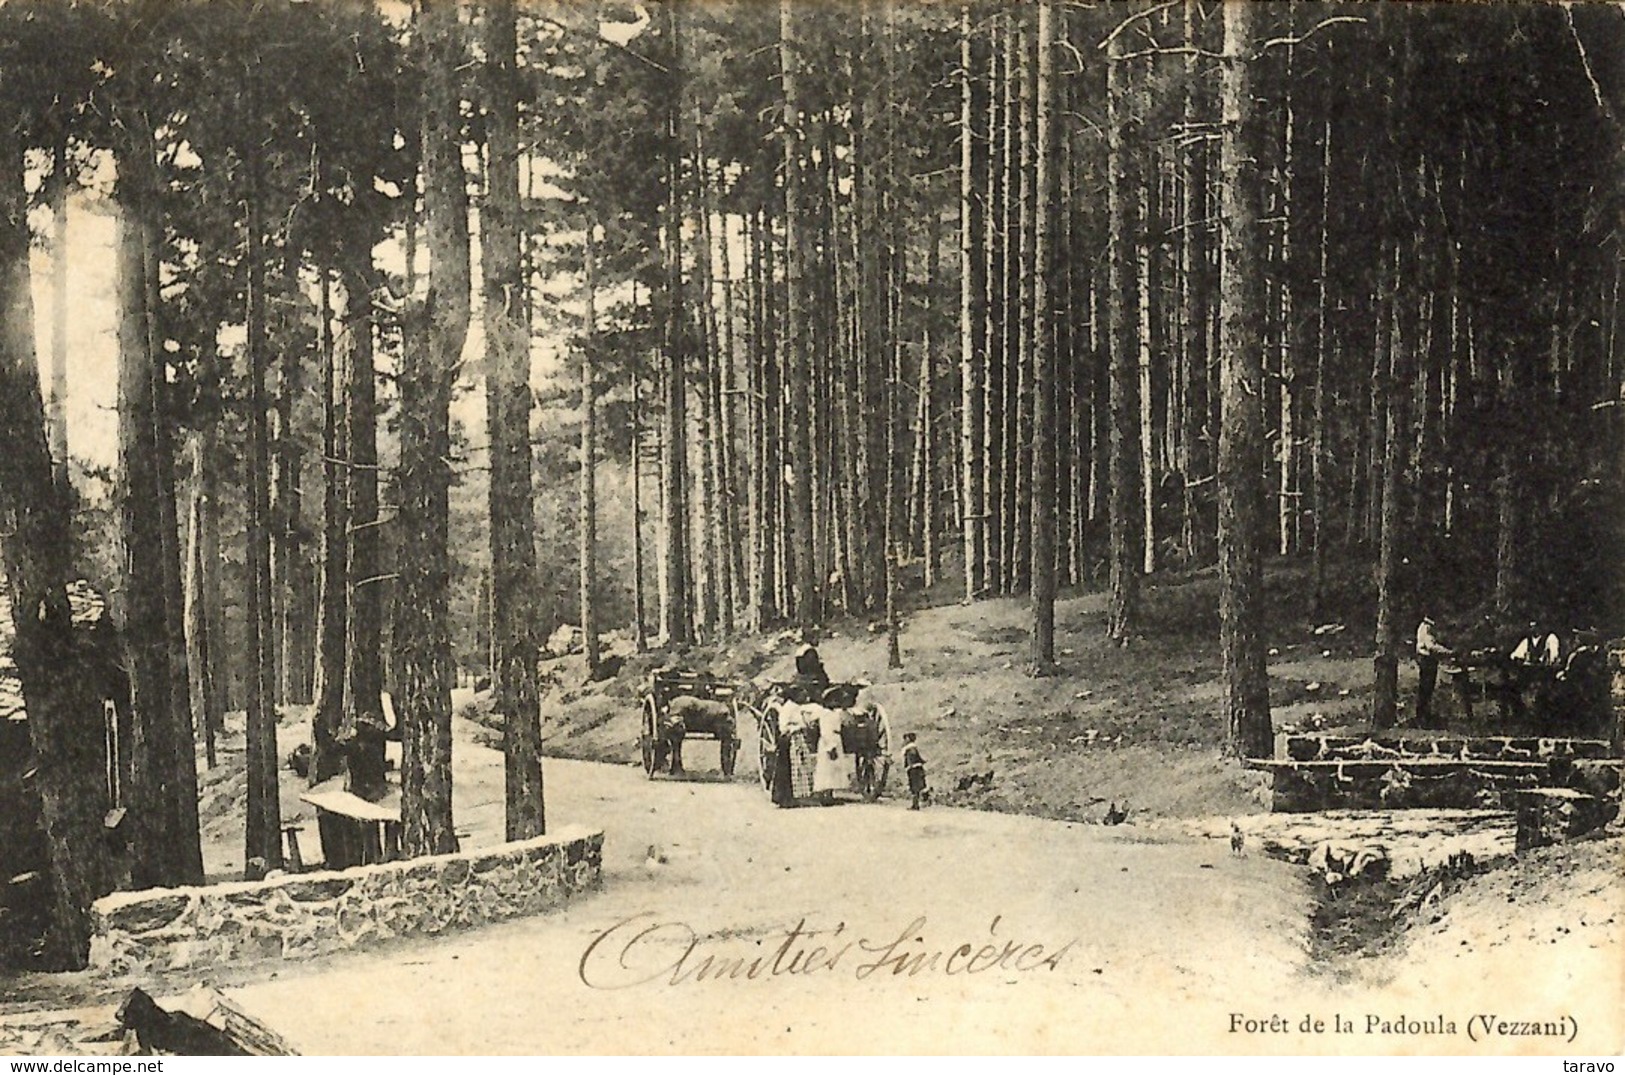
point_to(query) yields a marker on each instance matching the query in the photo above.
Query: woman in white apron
(831, 773)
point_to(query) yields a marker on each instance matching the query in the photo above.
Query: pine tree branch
(1132, 19)
(1168, 50)
(1322, 24)
(1585, 63)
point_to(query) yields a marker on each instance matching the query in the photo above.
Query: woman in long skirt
(832, 773)
(793, 762)
(782, 794)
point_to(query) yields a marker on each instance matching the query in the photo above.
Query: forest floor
(1175, 934)
(1137, 725)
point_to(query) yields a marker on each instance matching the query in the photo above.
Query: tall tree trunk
(719, 557)
(994, 306)
(1241, 431)
(798, 367)
(676, 613)
(516, 631)
(364, 656)
(1044, 363)
(287, 552)
(707, 520)
(166, 847)
(1147, 484)
(864, 374)
(640, 636)
(1193, 256)
(65, 723)
(1287, 491)
(1392, 392)
(436, 333)
(199, 643)
(219, 696)
(727, 388)
(262, 833)
(927, 435)
(332, 621)
(971, 363)
(1317, 449)
(766, 602)
(1511, 456)
(1122, 481)
(846, 268)
(1005, 355)
(56, 408)
(1019, 523)
(589, 464)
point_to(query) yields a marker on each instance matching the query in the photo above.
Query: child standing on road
(914, 766)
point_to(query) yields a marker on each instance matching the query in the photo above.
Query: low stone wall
(315, 913)
(1557, 815)
(1442, 745)
(1408, 784)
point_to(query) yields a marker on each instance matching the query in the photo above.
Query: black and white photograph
(812, 528)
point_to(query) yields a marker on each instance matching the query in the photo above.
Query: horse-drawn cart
(683, 705)
(797, 718)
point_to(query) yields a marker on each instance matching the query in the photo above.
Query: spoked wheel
(647, 741)
(767, 747)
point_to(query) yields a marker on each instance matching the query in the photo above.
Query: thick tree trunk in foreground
(262, 837)
(363, 652)
(164, 787)
(1241, 432)
(436, 332)
(332, 620)
(56, 410)
(515, 630)
(65, 723)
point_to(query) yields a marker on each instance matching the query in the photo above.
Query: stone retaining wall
(1406, 784)
(1441, 745)
(314, 913)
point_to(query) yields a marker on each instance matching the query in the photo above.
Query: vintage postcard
(805, 527)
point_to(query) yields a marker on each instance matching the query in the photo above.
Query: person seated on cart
(810, 667)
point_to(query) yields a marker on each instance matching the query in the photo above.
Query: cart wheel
(767, 746)
(648, 741)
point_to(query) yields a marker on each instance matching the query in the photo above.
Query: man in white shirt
(1537, 648)
(1429, 648)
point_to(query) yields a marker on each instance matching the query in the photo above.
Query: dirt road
(854, 928)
